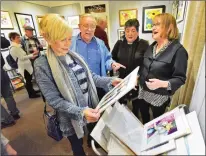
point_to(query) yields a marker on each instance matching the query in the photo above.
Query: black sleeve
(4, 43)
(179, 69)
(144, 46)
(115, 50)
(2, 62)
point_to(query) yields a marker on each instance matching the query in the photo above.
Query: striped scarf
(65, 85)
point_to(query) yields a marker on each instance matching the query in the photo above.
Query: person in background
(164, 67)
(6, 118)
(100, 30)
(67, 83)
(24, 64)
(6, 148)
(129, 52)
(30, 43)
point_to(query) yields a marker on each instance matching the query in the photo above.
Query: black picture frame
(121, 34)
(147, 16)
(99, 8)
(21, 19)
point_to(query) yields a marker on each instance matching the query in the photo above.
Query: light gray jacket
(65, 109)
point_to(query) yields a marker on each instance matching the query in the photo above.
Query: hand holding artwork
(91, 115)
(154, 84)
(116, 81)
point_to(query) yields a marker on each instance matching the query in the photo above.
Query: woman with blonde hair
(67, 83)
(164, 67)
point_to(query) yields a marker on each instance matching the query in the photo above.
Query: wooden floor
(28, 135)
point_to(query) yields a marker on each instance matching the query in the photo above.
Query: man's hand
(116, 66)
(91, 115)
(154, 84)
(116, 81)
(10, 150)
(35, 54)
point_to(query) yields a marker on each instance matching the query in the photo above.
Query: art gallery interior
(28, 136)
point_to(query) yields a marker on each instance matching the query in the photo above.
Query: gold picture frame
(125, 15)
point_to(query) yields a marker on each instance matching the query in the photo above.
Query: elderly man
(94, 52)
(30, 43)
(99, 32)
(93, 49)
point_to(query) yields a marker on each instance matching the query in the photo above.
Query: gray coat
(65, 109)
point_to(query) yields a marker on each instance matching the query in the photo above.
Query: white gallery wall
(67, 10)
(198, 99)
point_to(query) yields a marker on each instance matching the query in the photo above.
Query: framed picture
(73, 21)
(95, 8)
(38, 18)
(180, 11)
(2, 34)
(24, 20)
(120, 33)
(125, 15)
(6, 22)
(147, 16)
(174, 8)
(43, 42)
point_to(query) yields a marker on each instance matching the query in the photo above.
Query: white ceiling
(52, 3)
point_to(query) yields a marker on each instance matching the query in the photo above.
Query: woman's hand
(116, 81)
(10, 150)
(91, 115)
(154, 84)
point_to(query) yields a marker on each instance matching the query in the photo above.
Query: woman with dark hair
(129, 52)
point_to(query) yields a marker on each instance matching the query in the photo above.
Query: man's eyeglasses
(92, 27)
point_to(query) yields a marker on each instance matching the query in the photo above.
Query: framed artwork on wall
(95, 8)
(174, 8)
(125, 15)
(43, 42)
(6, 22)
(38, 18)
(180, 11)
(24, 20)
(73, 21)
(148, 14)
(120, 33)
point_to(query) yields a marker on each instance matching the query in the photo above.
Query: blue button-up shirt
(91, 54)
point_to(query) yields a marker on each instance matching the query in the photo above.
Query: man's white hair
(86, 15)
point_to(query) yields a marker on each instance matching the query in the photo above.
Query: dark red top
(101, 34)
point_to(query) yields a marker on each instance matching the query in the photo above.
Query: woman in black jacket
(129, 52)
(164, 67)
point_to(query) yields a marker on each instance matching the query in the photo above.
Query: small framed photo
(147, 16)
(73, 21)
(121, 34)
(43, 42)
(24, 20)
(181, 11)
(6, 22)
(125, 15)
(101, 8)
